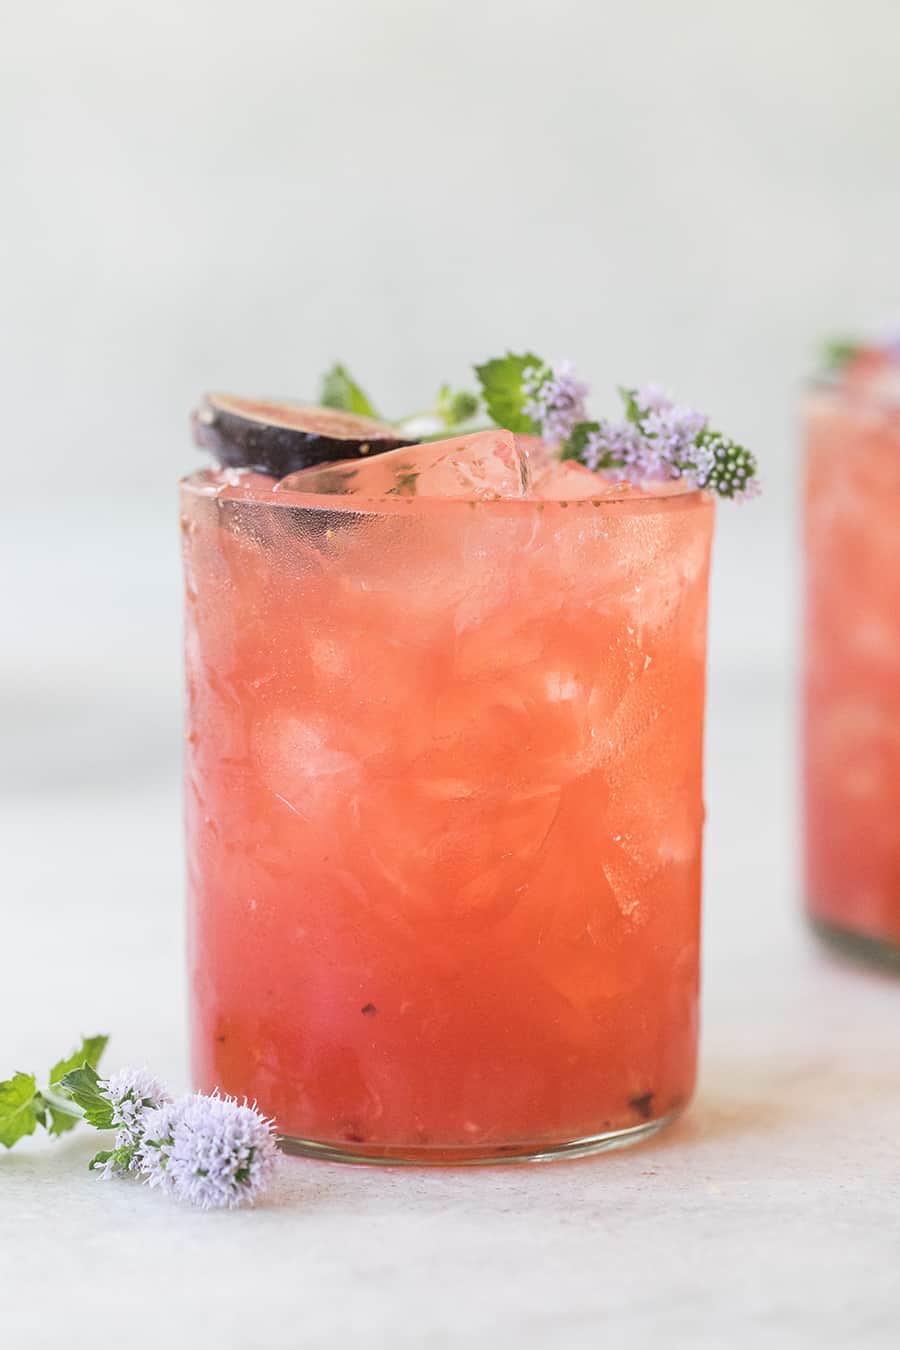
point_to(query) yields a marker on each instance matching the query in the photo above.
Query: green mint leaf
(89, 1052)
(81, 1085)
(463, 406)
(574, 446)
(836, 352)
(21, 1108)
(63, 1113)
(629, 399)
(456, 406)
(339, 390)
(502, 391)
(122, 1157)
(60, 1122)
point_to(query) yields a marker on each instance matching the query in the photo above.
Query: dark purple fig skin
(279, 437)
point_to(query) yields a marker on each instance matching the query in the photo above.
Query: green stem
(61, 1103)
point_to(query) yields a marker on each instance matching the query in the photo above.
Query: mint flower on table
(131, 1093)
(212, 1151)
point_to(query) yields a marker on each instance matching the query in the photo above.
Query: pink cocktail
(444, 793)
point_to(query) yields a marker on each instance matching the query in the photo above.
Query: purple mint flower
(673, 431)
(157, 1139)
(665, 440)
(675, 427)
(131, 1093)
(212, 1151)
(613, 447)
(555, 399)
(651, 398)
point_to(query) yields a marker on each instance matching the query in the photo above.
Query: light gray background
(219, 195)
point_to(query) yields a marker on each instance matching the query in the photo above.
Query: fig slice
(280, 437)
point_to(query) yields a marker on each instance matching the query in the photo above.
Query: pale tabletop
(768, 1216)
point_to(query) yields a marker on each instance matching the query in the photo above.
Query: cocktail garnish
(452, 407)
(280, 436)
(209, 1150)
(23, 1106)
(339, 390)
(656, 440)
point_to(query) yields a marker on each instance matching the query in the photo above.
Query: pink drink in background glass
(852, 666)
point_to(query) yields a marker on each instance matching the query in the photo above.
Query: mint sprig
(212, 1151)
(339, 390)
(23, 1106)
(82, 1086)
(456, 406)
(658, 439)
(503, 390)
(87, 1054)
(838, 352)
(630, 404)
(452, 408)
(575, 445)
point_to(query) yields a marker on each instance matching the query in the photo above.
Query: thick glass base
(880, 952)
(485, 1156)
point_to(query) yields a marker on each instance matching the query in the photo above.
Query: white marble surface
(767, 1217)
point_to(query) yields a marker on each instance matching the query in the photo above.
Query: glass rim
(672, 496)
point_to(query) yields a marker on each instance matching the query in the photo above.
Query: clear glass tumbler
(444, 815)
